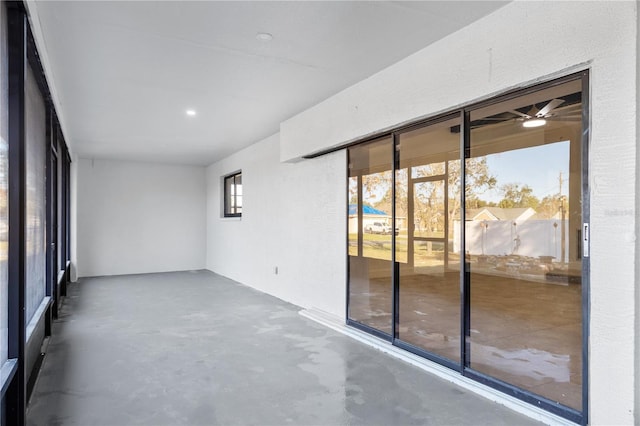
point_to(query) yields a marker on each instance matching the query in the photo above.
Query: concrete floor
(194, 348)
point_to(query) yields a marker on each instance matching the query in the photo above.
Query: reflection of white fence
(501, 237)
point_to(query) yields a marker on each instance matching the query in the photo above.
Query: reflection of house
(517, 214)
(369, 216)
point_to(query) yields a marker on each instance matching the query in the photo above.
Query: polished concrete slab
(194, 348)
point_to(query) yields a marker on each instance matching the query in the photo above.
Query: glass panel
(426, 170)
(523, 242)
(370, 266)
(428, 202)
(427, 205)
(376, 223)
(354, 231)
(4, 170)
(402, 215)
(233, 194)
(35, 197)
(238, 194)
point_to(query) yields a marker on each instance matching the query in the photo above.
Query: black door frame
(21, 54)
(569, 413)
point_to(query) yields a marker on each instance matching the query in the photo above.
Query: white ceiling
(124, 73)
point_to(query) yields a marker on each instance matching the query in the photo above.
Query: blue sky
(538, 167)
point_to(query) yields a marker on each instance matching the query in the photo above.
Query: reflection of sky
(539, 167)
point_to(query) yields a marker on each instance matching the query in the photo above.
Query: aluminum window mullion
(586, 261)
(433, 178)
(395, 273)
(465, 308)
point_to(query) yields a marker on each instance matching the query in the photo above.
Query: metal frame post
(17, 64)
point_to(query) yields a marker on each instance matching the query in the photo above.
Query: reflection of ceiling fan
(567, 109)
(538, 117)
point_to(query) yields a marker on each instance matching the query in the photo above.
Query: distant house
(517, 214)
(370, 215)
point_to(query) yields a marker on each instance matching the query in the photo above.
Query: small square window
(233, 195)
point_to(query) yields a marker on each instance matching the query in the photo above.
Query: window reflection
(522, 242)
(427, 202)
(370, 234)
(522, 219)
(233, 195)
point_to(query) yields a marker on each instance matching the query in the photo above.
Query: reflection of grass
(378, 246)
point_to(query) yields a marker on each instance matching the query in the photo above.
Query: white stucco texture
(516, 46)
(293, 219)
(138, 217)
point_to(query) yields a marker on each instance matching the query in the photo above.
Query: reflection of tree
(429, 207)
(353, 190)
(549, 206)
(402, 207)
(478, 180)
(376, 190)
(515, 195)
(428, 199)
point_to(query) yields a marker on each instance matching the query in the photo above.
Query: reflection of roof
(498, 213)
(353, 210)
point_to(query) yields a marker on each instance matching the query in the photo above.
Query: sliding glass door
(427, 206)
(524, 243)
(370, 235)
(468, 242)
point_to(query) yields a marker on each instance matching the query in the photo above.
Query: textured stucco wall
(518, 45)
(293, 219)
(138, 217)
(637, 283)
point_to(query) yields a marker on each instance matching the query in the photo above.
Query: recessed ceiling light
(191, 112)
(264, 36)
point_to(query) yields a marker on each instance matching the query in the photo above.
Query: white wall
(293, 218)
(637, 234)
(137, 217)
(518, 45)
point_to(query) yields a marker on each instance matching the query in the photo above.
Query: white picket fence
(503, 237)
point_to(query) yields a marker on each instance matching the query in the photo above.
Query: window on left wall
(233, 195)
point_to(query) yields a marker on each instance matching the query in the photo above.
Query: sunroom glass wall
(370, 234)
(522, 239)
